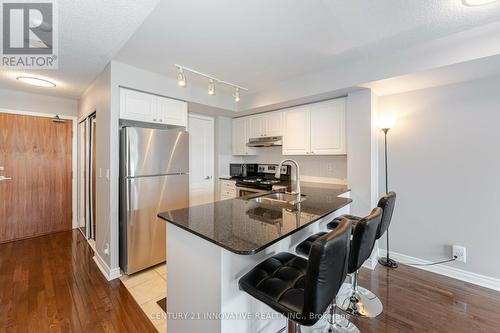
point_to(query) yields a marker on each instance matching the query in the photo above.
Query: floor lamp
(385, 126)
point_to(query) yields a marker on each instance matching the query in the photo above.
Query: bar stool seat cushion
(304, 247)
(278, 282)
(336, 221)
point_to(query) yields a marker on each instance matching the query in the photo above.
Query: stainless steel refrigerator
(154, 177)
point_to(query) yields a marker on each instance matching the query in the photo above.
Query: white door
(201, 159)
(296, 133)
(328, 122)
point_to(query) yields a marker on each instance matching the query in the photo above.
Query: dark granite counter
(244, 226)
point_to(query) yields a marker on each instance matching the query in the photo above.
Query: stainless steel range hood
(268, 141)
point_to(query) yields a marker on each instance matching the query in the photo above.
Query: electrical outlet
(460, 253)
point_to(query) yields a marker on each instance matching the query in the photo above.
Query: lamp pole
(387, 261)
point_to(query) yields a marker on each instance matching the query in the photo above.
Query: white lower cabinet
(227, 189)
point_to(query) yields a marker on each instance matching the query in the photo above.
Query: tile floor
(147, 288)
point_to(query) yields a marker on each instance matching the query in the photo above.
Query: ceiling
(468, 71)
(91, 32)
(260, 43)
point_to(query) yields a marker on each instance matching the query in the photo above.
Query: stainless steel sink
(279, 198)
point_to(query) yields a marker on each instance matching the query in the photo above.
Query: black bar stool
(387, 203)
(302, 289)
(353, 299)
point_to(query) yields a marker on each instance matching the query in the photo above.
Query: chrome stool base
(340, 324)
(360, 302)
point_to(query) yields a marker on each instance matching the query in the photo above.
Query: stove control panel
(271, 168)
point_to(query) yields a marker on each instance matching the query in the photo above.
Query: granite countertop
(244, 226)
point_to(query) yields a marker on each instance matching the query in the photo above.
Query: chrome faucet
(277, 175)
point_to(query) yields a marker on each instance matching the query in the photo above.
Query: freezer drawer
(149, 152)
(142, 233)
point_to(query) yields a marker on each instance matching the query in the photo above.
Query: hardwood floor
(418, 301)
(51, 284)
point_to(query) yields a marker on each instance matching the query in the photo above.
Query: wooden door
(36, 153)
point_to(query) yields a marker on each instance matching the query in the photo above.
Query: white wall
(23, 101)
(444, 163)
(97, 98)
(362, 151)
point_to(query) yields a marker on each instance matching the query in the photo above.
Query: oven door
(243, 191)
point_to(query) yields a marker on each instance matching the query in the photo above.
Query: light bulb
(36, 81)
(236, 95)
(181, 78)
(386, 122)
(211, 87)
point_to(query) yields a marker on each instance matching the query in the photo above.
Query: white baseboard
(109, 273)
(371, 263)
(456, 273)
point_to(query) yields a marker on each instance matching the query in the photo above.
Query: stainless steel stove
(263, 180)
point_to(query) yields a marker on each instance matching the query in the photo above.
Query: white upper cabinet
(257, 126)
(312, 129)
(328, 127)
(315, 129)
(296, 132)
(171, 111)
(241, 129)
(267, 124)
(139, 106)
(274, 124)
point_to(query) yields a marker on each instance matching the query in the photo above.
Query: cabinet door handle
(154, 119)
(161, 120)
(208, 177)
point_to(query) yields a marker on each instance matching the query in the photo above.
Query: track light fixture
(211, 87)
(236, 95)
(181, 80)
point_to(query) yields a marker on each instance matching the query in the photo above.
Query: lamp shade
(386, 122)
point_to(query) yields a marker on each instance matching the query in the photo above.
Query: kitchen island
(209, 247)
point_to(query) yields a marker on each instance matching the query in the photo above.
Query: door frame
(73, 153)
(211, 119)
